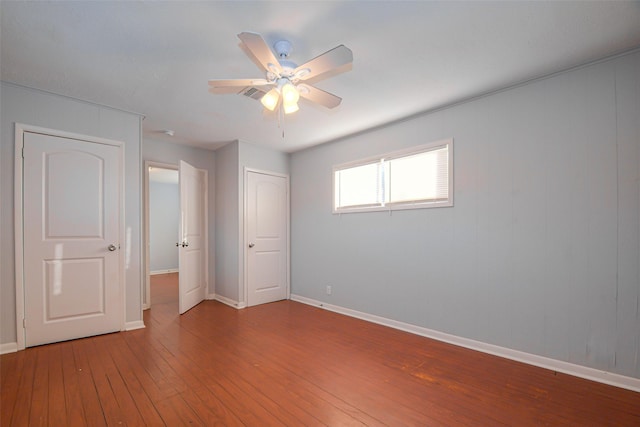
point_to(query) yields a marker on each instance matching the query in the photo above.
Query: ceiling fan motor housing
(283, 48)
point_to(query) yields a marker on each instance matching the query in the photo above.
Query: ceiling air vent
(254, 93)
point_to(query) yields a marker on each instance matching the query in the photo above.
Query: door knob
(251, 244)
(112, 248)
(185, 244)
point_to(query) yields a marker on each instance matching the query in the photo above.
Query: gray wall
(231, 161)
(164, 222)
(227, 222)
(168, 153)
(540, 252)
(36, 108)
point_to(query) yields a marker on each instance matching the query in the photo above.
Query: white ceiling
(155, 58)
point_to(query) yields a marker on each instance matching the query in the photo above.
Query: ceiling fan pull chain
(282, 118)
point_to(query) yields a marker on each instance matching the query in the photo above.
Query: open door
(192, 238)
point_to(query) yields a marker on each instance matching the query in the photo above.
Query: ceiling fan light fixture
(290, 108)
(290, 94)
(270, 99)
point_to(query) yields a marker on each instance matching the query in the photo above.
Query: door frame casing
(244, 254)
(20, 130)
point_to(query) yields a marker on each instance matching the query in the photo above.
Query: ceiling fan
(285, 82)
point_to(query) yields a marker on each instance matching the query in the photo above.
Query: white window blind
(359, 186)
(417, 178)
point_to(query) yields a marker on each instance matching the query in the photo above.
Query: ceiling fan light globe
(290, 94)
(270, 99)
(290, 108)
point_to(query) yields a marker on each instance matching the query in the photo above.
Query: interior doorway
(162, 227)
(176, 231)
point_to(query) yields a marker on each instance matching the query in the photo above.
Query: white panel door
(192, 243)
(267, 257)
(71, 222)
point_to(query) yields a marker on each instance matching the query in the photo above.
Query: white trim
(20, 130)
(125, 236)
(210, 296)
(229, 301)
(592, 374)
(132, 326)
(171, 270)
(204, 174)
(8, 347)
(245, 226)
(146, 295)
(18, 229)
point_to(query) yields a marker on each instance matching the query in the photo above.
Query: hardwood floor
(286, 363)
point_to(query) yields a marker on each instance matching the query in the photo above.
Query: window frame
(393, 206)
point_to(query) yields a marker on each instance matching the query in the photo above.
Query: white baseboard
(605, 377)
(171, 270)
(9, 347)
(229, 302)
(136, 324)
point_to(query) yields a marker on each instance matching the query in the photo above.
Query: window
(421, 177)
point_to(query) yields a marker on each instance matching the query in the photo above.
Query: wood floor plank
(155, 380)
(214, 411)
(287, 364)
(111, 411)
(72, 390)
(39, 412)
(353, 374)
(91, 404)
(24, 392)
(139, 386)
(248, 380)
(176, 412)
(323, 405)
(11, 368)
(57, 403)
(270, 379)
(158, 385)
(209, 408)
(125, 401)
(243, 406)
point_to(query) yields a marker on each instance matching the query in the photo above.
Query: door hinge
(24, 323)
(23, 152)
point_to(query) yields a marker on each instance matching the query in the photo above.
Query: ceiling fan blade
(335, 61)
(319, 96)
(257, 48)
(239, 82)
(234, 85)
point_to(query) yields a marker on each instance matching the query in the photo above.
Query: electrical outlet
(328, 289)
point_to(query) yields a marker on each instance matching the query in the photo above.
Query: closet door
(72, 258)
